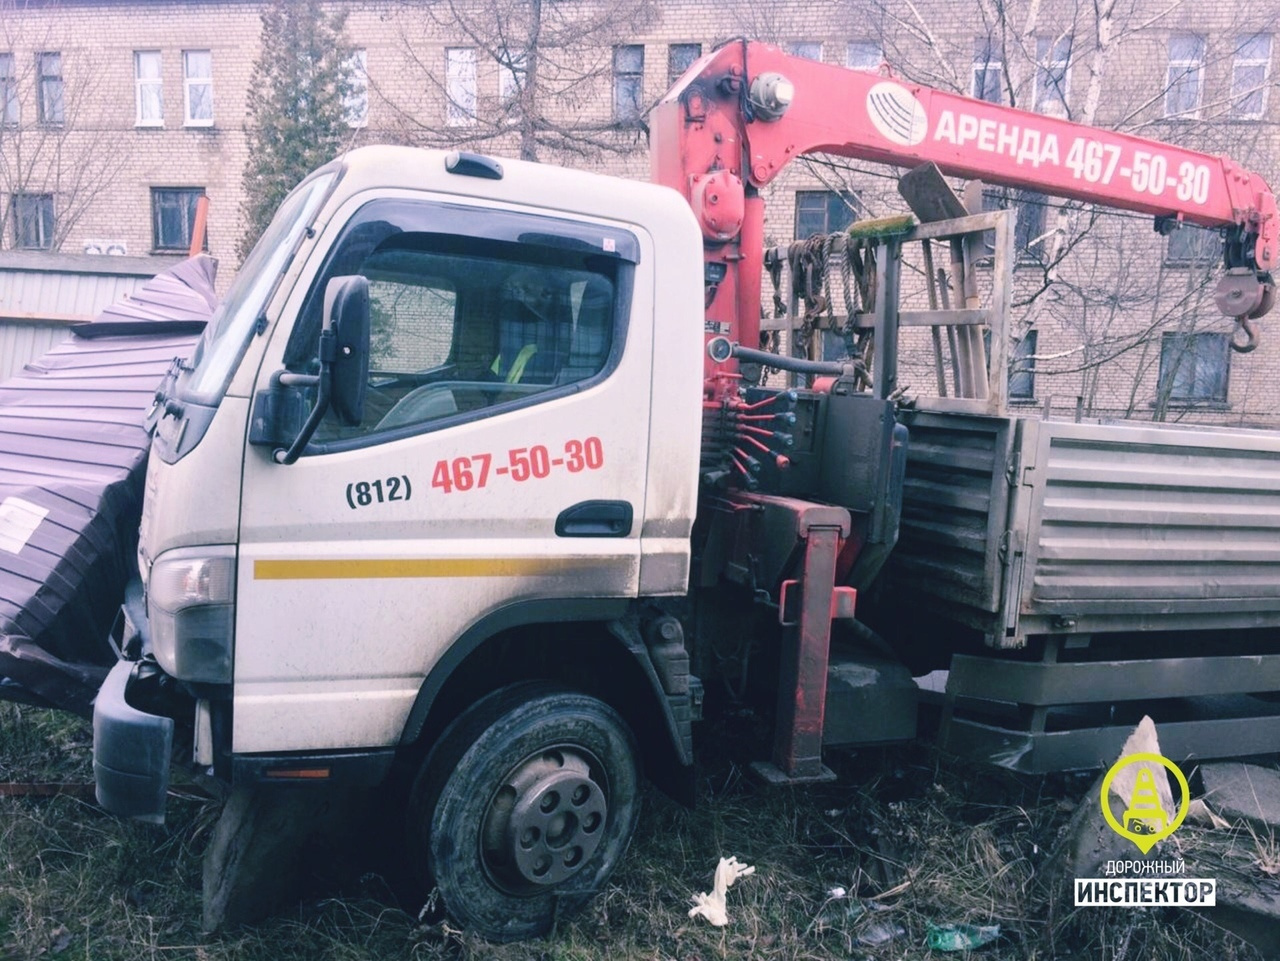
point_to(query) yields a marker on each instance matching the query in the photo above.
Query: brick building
(115, 115)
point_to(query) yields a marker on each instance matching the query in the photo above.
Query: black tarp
(73, 454)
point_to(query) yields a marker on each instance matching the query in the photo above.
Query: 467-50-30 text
(522, 464)
(456, 474)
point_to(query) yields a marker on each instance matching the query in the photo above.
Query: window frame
(1181, 72)
(1199, 250)
(854, 60)
(460, 90)
(191, 81)
(355, 103)
(512, 75)
(1052, 83)
(46, 220)
(1024, 352)
(142, 84)
(1219, 355)
(831, 200)
(628, 84)
(1028, 204)
(51, 105)
(986, 60)
(806, 49)
(10, 106)
(680, 57)
(1242, 63)
(193, 194)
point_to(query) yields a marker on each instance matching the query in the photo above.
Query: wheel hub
(546, 821)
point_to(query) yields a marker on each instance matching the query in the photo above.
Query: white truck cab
(337, 563)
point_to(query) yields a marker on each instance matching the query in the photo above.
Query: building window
(355, 104)
(1029, 232)
(628, 82)
(513, 66)
(1184, 83)
(460, 85)
(863, 55)
(680, 57)
(1029, 228)
(8, 91)
(49, 100)
(1022, 367)
(825, 211)
(988, 68)
(1053, 71)
(33, 221)
(1249, 74)
(1193, 367)
(197, 72)
(148, 88)
(1193, 246)
(808, 49)
(173, 216)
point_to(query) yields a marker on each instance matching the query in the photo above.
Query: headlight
(191, 607)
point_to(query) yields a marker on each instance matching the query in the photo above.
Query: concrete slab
(1242, 792)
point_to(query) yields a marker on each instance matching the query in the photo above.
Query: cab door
(467, 487)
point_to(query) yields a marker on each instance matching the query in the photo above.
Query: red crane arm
(743, 112)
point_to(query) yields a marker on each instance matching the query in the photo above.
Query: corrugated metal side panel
(37, 294)
(1133, 520)
(23, 342)
(954, 507)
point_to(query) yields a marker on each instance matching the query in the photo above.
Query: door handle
(595, 519)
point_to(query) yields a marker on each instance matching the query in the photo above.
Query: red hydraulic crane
(744, 111)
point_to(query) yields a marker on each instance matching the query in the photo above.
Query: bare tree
(531, 75)
(56, 152)
(1098, 284)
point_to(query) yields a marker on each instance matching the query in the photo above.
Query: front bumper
(131, 751)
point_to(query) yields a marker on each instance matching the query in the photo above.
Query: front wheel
(523, 808)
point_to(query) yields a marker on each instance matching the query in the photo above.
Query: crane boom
(743, 112)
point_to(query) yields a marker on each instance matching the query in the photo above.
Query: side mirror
(346, 310)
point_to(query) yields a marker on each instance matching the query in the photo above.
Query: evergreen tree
(297, 109)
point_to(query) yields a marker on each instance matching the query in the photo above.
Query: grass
(912, 840)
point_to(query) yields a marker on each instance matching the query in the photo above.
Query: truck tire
(523, 808)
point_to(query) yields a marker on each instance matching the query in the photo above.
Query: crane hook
(1244, 296)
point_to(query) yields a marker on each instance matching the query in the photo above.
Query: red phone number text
(522, 464)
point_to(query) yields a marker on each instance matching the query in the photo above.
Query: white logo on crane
(897, 114)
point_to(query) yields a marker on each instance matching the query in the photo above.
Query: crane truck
(478, 470)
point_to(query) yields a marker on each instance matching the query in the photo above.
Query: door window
(465, 326)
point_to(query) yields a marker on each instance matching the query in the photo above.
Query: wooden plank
(943, 229)
(967, 317)
(959, 405)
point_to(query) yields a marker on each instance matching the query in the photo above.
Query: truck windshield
(232, 324)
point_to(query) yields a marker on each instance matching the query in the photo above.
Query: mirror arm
(285, 378)
(328, 349)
